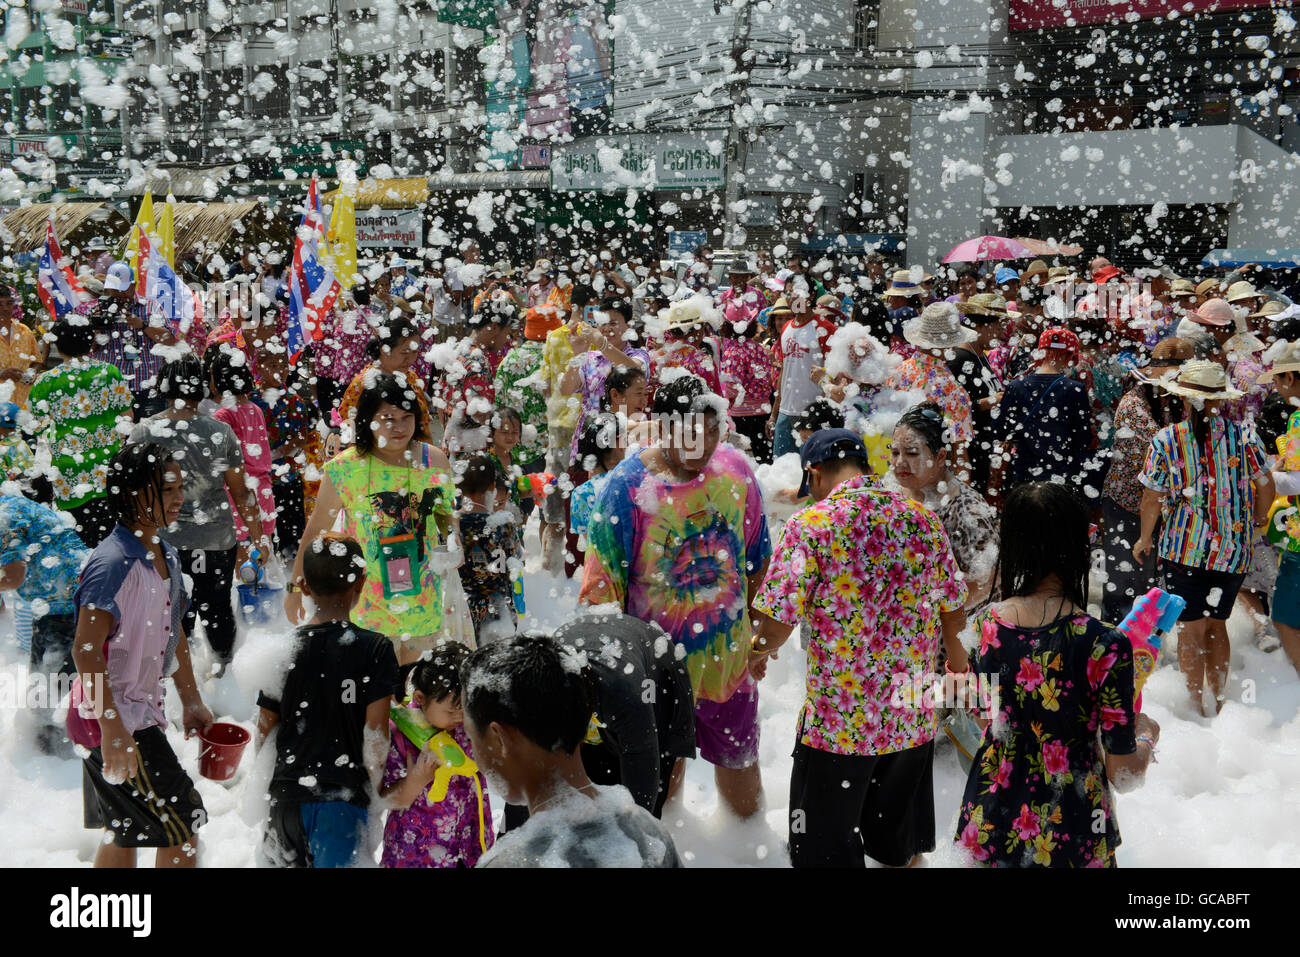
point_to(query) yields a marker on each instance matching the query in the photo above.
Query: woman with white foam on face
(919, 464)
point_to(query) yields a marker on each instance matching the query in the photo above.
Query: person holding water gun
(493, 555)
(439, 812)
(1283, 530)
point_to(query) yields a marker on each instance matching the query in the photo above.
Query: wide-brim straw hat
(1200, 379)
(1182, 287)
(684, 314)
(1206, 286)
(1244, 343)
(1161, 365)
(1288, 360)
(938, 326)
(902, 284)
(1270, 308)
(1061, 274)
(1035, 268)
(1241, 290)
(983, 304)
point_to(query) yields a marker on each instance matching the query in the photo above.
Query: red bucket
(223, 745)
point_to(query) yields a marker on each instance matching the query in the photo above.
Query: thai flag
(56, 284)
(312, 286)
(161, 289)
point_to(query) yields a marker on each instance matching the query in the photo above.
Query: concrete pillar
(945, 193)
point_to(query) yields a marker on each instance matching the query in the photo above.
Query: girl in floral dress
(452, 832)
(1063, 725)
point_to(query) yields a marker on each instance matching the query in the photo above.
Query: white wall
(1120, 168)
(1267, 193)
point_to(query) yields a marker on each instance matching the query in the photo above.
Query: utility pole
(737, 135)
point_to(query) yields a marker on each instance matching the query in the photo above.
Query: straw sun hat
(1200, 379)
(983, 304)
(938, 327)
(904, 283)
(1288, 360)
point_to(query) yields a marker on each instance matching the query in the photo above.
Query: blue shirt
(581, 499)
(46, 541)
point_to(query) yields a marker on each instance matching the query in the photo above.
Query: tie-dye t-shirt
(678, 555)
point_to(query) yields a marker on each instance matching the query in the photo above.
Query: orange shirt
(18, 350)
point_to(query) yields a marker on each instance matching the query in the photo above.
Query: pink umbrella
(987, 247)
(1038, 247)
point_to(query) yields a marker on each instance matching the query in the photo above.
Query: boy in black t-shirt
(332, 716)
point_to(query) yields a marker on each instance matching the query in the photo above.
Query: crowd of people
(973, 451)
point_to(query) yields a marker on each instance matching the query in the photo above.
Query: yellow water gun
(452, 759)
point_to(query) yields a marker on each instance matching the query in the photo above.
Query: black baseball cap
(830, 444)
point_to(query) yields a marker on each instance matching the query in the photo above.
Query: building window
(424, 88)
(866, 25)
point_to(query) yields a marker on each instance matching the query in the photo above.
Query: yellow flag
(167, 232)
(342, 239)
(144, 220)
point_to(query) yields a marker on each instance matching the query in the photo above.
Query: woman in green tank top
(395, 493)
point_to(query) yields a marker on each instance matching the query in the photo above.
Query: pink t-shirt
(249, 425)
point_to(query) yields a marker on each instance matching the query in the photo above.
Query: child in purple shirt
(456, 830)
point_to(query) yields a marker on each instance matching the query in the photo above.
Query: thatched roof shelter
(24, 229)
(215, 225)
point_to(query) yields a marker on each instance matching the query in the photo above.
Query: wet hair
(1029, 553)
(136, 472)
(821, 413)
(872, 312)
(360, 294)
(529, 683)
(926, 420)
(479, 474)
(332, 564)
(438, 677)
(1287, 329)
(228, 375)
(494, 310)
(74, 339)
(620, 379)
(504, 413)
(679, 396)
(583, 295)
(183, 378)
(1198, 421)
(386, 389)
(602, 435)
(391, 332)
(621, 306)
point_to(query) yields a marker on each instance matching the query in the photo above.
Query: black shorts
(1208, 594)
(159, 807)
(845, 806)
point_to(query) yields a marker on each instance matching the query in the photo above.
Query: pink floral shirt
(870, 571)
(748, 375)
(923, 371)
(341, 354)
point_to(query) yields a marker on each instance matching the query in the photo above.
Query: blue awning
(852, 243)
(1269, 258)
